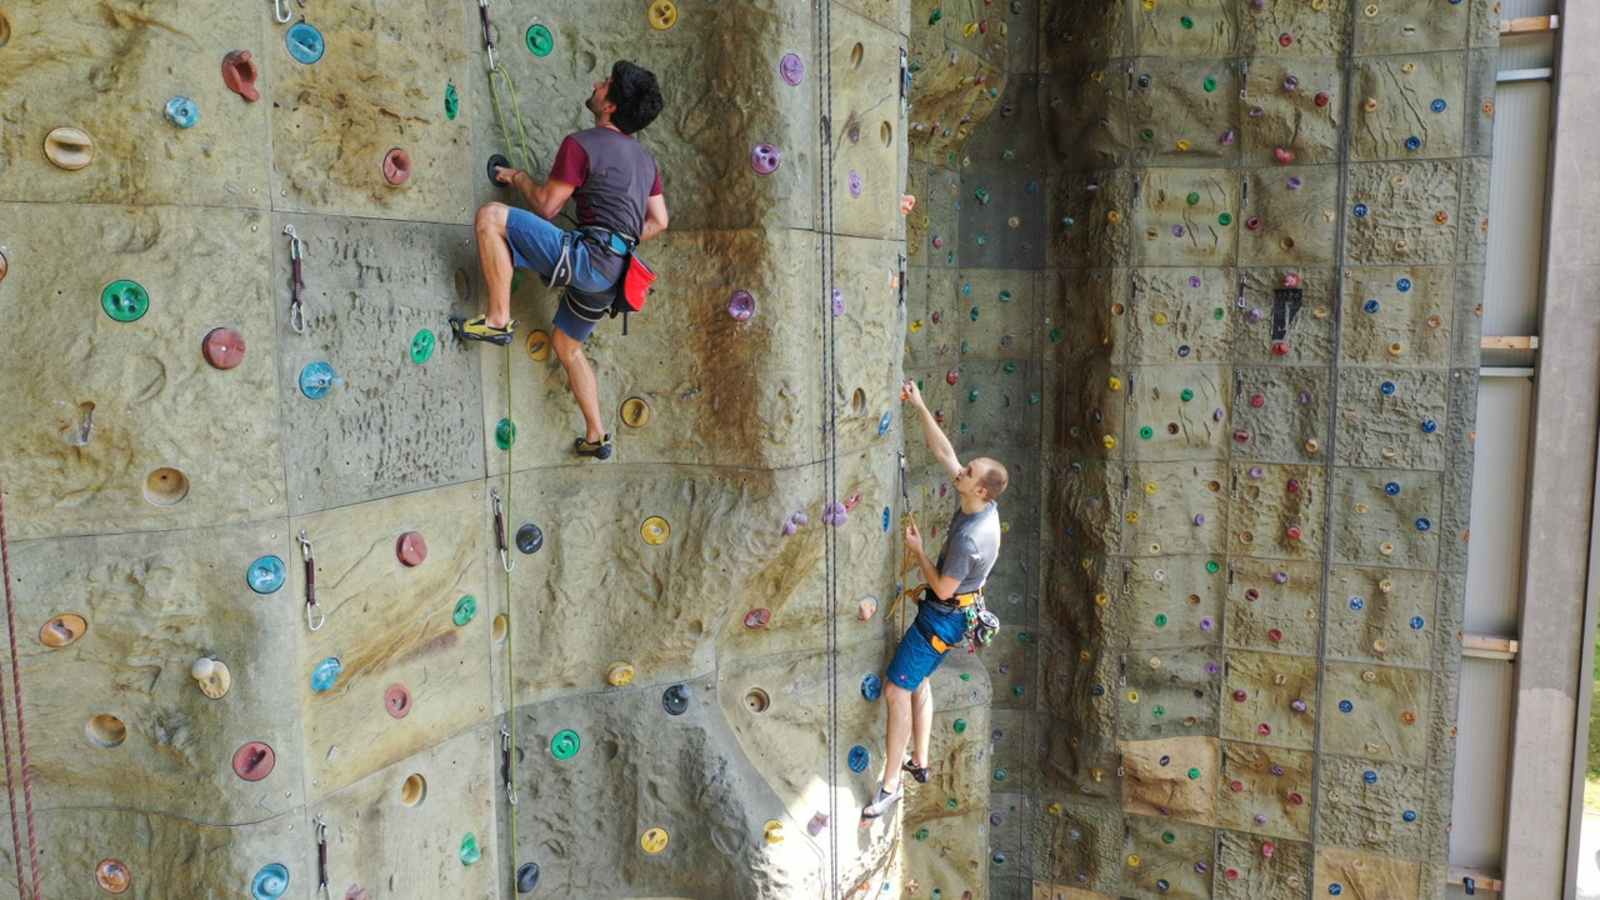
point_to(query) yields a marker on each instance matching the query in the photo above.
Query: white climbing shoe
(881, 805)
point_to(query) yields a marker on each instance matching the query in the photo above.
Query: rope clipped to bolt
(503, 96)
(22, 730)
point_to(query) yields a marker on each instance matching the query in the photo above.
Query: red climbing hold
(411, 548)
(757, 618)
(1283, 155)
(253, 761)
(239, 74)
(397, 700)
(952, 376)
(396, 166)
(1280, 348)
(223, 348)
(1292, 532)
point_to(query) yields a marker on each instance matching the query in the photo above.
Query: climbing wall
(521, 674)
(1266, 229)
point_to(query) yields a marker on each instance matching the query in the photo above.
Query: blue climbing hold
(1361, 210)
(1369, 776)
(182, 112)
(265, 575)
(1429, 426)
(1335, 888)
(1416, 623)
(1409, 815)
(1345, 706)
(886, 516)
(1358, 603)
(270, 883)
(326, 674)
(304, 42)
(1097, 690)
(1438, 105)
(884, 421)
(1423, 524)
(859, 759)
(316, 379)
(1371, 306)
(1413, 143)
(1403, 285)
(1392, 488)
(871, 686)
(1387, 388)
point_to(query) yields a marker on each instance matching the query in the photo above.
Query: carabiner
(506, 562)
(280, 11)
(488, 33)
(297, 314)
(322, 857)
(505, 765)
(314, 615)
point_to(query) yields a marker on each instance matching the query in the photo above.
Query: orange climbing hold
(239, 74)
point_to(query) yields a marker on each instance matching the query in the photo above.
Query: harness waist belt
(958, 601)
(615, 241)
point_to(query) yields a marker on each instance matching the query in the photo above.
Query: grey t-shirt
(971, 547)
(614, 176)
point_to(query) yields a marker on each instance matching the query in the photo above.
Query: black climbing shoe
(919, 773)
(497, 162)
(480, 330)
(600, 449)
(881, 805)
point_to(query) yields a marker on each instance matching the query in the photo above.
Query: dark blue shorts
(536, 244)
(916, 659)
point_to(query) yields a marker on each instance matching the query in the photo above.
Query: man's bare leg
(921, 723)
(495, 255)
(899, 712)
(584, 387)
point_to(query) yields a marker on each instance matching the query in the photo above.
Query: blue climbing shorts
(536, 245)
(916, 659)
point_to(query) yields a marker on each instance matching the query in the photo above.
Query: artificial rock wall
(652, 670)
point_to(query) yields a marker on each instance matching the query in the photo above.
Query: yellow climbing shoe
(478, 329)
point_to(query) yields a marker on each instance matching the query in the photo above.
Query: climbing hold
(859, 759)
(1360, 210)
(1429, 426)
(212, 676)
(63, 630)
(836, 303)
(69, 148)
(565, 744)
(182, 112)
(124, 300)
(397, 700)
(675, 700)
(4, 267)
(765, 159)
(466, 608)
(529, 538)
(422, 344)
(742, 305)
(411, 548)
(884, 421)
(772, 832)
(655, 531)
(757, 618)
(855, 183)
(325, 674)
(452, 101)
(871, 687)
(620, 674)
(470, 852)
(239, 74)
(304, 42)
(635, 412)
(527, 877)
(654, 840)
(959, 726)
(223, 348)
(112, 876)
(792, 68)
(663, 14)
(539, 40)
(396, 166)
(265, 575)
(316, 379)
(253, 761)
(538, 346)
(270, 883)
(505, 434)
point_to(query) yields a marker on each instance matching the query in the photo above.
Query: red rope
(22, 728)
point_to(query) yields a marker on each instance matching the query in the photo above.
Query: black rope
(822, 49)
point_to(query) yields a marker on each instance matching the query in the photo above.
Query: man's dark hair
(636, 94)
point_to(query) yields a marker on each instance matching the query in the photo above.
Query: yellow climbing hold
(1132, 518)
(1159, 318)
(1114, 383)
(1102, 599)
(1113, 217)
(916, 325)
(1134, 860)
(635, 412)
(663, 14)
(1183, 146)
(620, 675)
(1053, 809)
(970, 30)
(655, 531)
(773, 832)
(1133, 696)
(1150, 487)
(1109, 442)
(654, 840)
(538, 346)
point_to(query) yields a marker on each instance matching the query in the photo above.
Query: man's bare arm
(655, 217)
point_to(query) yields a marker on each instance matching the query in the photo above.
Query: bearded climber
(617, 185)
(953, 590)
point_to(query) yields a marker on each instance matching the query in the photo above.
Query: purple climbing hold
(1295, 183)
(1177, 231)
(1194, 281)
(765, 159)
(1256, 472)
(792, 68)
(834, 514)
(855, 183)
(1280, 577)
(837, 304)
(1199, 519)
(742, 305)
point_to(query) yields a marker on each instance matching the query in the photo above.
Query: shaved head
(991, 475)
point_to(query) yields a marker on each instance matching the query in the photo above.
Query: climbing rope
(503, 96)
(22, 728)
(823, 50)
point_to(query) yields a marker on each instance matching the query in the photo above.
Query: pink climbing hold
(397, 701)
(765, 159)
(239, 74)
(411, 548)
(757, 618)
(397, 167)
(223, 348)
(1283, 155)
(253, 761)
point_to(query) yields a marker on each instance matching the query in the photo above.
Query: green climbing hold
(505, 434)
(1210, 84)
(1147, 134)
(982, 194)
(1193, 198)
(470, 851)
(1008, 154)
(1225, 219)
(125, 301)
(965, 347)
(466, 608)
(952, 803)
(422, 344)
(935, 16)
(1024, 637)
(966, 676)
(960, 726)
(565, 744)
(974, 314)
(1213, 566)
(1168, 837)
(972, 396)
(1018, 690)
(921, 834)
(1158, 711)
(540, 40)
(1033, 398)
(1056, 335)
(1010, 367)
(1161, 620)
(1186, 395)
(1218, 313)
(999, 774)
(1005, 296)
(1194, 774)
(1186, 22)
(1146, 433)
(452, 101)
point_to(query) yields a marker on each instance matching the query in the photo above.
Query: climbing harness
(506, 562)
(314, 615)
(281, 13)
(322, 857)
(297, 314)
(22, 731)
(505, 765)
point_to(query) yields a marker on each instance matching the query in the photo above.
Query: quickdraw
(297, 314)
(506, 562)
(314, 614)
(505, 765)
(488, 31)
(322, 858)
(281, 13)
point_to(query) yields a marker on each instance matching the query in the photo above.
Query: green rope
(521, 154)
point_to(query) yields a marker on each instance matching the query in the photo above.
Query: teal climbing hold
(326, 674)
(452, 101)
(1210, 84)
(1186, 395)
(316, 379)
(1005, 296)
(505, 434)
(1146, 433)
(1010, 367)
(1225, 219)
(972, 396)
(935, 16)
(265, 575)
(1213, 566)
(182, 112)
(974, 314)
(1033, 398)
(565, 744)
(470, 851)
(270, 883)
(540, 41)
(304, 43)
(422, 344)
(124, 300)
(999, 774)
(466, 608)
